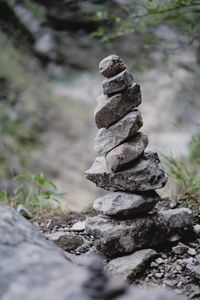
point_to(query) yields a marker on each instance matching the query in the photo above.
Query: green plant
(185, 172)
(36, 193)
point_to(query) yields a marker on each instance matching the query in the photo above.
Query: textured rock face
(111, 65)
(129, 266)
(118, 82)
(107, 139)
(124, 205)
(119, 238)
(144, 174)
(110, 110)
(125, 153)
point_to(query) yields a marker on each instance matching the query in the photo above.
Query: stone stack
(130, 173)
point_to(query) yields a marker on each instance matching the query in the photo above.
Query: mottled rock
(123, 205)
(177, 217)
(197, 230)
(111, 109)
(146, 173)
(69, 242)
(125, 153)
(109, 138)
(151, 294)
(195, 269)
(111, 65)
(117, 83)
(127, 267)
(116, 238)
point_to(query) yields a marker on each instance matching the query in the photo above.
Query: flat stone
(111, 109)
(123, 205)
(111, 65)
(128, 267)
(107, 139)
(116, 238)
(146, 173)
(127, 152)
(117, 83)
(79, 226)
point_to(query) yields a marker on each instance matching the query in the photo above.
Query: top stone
(111, 66)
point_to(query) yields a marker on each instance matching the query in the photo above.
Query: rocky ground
(177, 266)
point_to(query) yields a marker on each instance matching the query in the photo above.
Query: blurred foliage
(186, 173)
(24, 103)
(143, 16)
(37, 194)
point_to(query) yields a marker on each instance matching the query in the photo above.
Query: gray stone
(123, 205)
(195, 269)
(69, 242)
(128, 267)
(117, 83)
(78, 226)
(151, 294)
(111, 109)
(144, 174)
(116, 238)
(109, 138)
(180, 249)
(192, 252)
(177, 217)
(197, 230)
(127, 152)
(111, 65)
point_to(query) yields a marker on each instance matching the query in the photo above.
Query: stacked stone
(123, 167)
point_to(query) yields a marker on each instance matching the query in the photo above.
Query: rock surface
(112, 109)
(117, 83)
(144, 174)
(123, 205)
(127, 152)
(109, 138)
(69, 242)
(111, 65)
(116, 238)
(127, 267)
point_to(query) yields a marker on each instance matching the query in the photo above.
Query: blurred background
(49, 81)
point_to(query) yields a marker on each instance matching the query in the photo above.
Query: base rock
(123, 205)
(144, 174)
(115, 238)
(129, 266)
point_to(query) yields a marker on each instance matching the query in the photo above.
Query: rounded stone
(111, 65)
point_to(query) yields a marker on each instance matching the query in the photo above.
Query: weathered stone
(146, 173)
(177, 217)
(151, 294)
(123, 205)
(111, 65)
(195, 269)
(127, 267)
(109, 138)
(111, 109)
(117, 83)
(69, 242)
(78, 226)
(180, 249)
(116, 238)
(125, 153)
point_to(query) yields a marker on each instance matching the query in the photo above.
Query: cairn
(130, 174)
